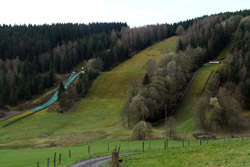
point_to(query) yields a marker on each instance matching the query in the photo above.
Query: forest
(30, 56)
(164, 83)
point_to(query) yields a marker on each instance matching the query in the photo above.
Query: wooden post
(37, 164)
(88, 147)
(166, 120)
(167, 143)
(48, 162)
(143, 146)
(127, 145)
(119, 149)
(115, 159)
(60, 156)
(182, 143)
(55, 159)
(69, 153)
(200, 142)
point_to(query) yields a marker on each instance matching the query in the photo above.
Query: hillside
(94, 116)
(138, 101)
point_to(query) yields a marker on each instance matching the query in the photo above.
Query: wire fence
(67, 156)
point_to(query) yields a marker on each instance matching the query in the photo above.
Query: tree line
(31, 55)
(228, 89)
(201, 41)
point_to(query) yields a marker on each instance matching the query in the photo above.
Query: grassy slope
(217, 154)
(184, 112)
(94, 116)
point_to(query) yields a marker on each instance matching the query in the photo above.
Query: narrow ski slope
(31, 111)
(197, 88)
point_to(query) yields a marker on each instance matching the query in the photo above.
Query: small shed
(214, 62)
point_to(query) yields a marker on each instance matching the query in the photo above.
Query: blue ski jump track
(51, 101)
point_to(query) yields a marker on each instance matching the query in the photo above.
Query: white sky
(134, 12)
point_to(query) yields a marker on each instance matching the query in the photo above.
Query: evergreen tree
(146, 79)
(57, 63)
(51, 76)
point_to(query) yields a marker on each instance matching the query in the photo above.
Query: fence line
(54, 160)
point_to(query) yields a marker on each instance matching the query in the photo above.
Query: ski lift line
(51, 101)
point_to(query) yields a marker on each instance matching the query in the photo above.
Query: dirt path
(98, 161)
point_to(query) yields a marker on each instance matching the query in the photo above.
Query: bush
(142, 130)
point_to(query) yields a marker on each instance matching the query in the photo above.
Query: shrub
(142, 130)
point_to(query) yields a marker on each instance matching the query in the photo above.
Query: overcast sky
(134, 12)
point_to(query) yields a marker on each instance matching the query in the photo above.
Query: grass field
(93, 117)
(23, 157)
(233, 153)
(152, 156)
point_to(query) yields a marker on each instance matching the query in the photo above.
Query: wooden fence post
(127, 145)
(88, 147)
(143, 146)
(200, 142)
(119, 149)
(115, 158)
(60, 156)
(69, 153)
(37, 164)
(167, 143)
(55, 159)
(48, 162)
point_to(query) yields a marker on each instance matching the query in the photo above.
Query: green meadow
(233, 153)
